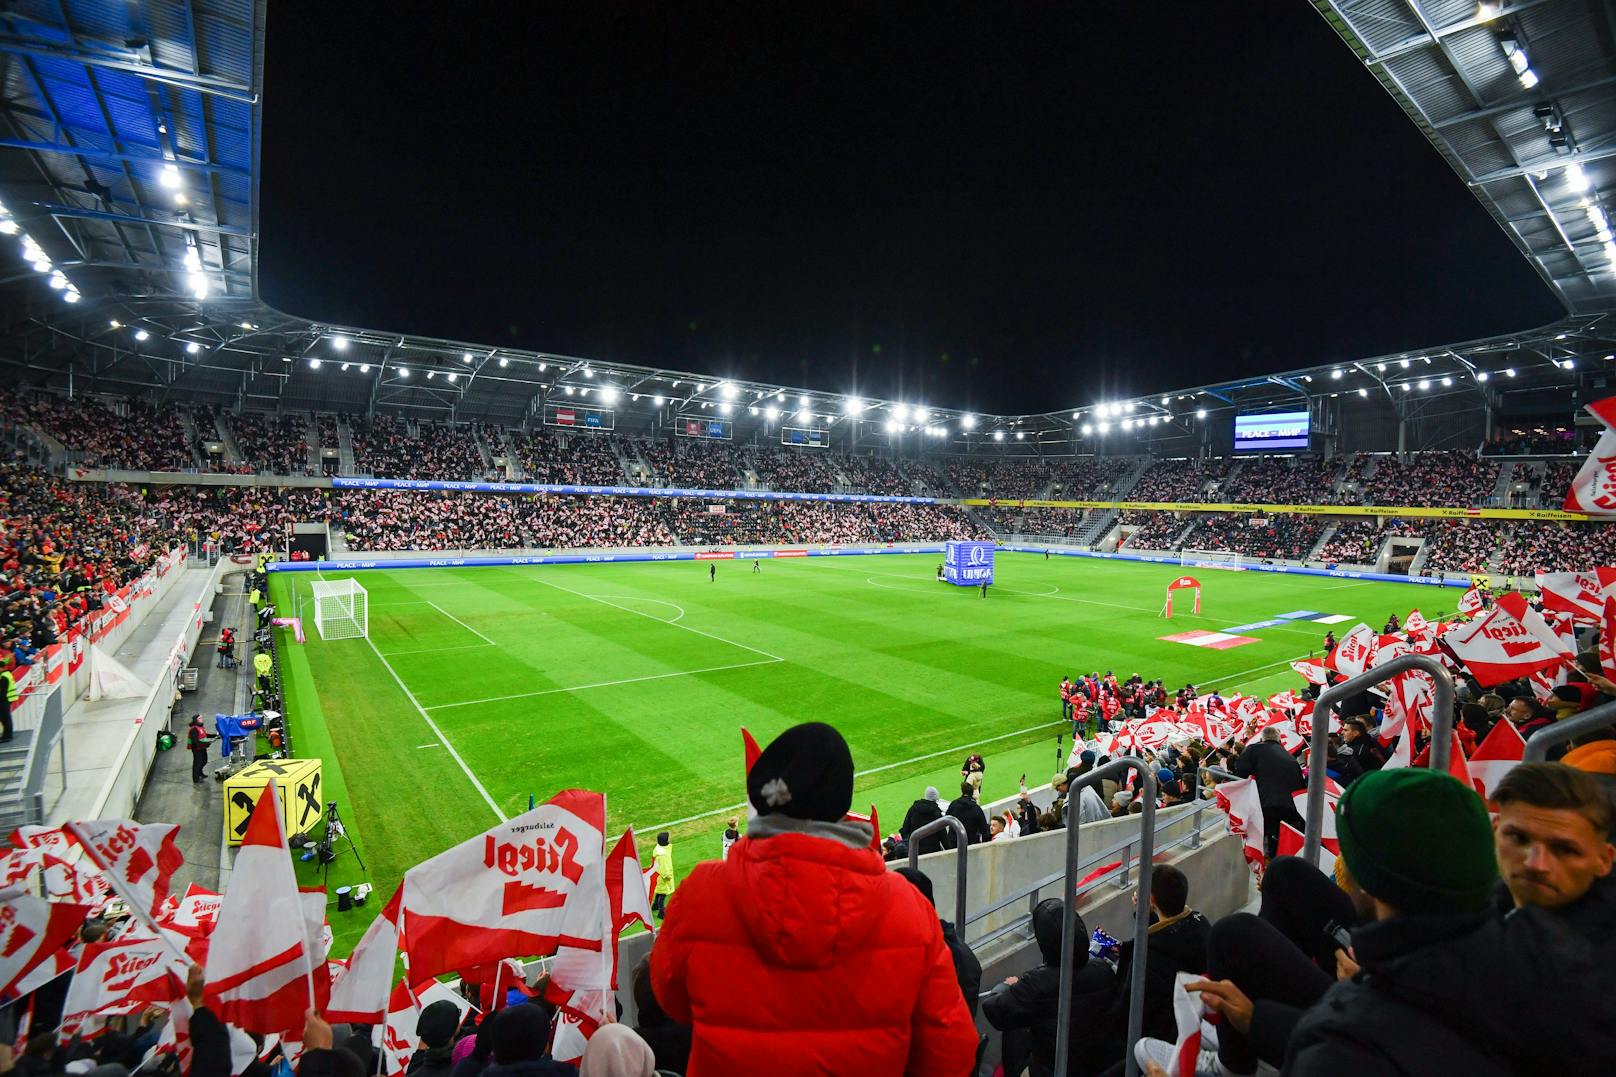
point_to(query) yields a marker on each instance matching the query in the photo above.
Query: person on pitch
(712, 572)
(662, 865)
(755, 568)
(984, 588)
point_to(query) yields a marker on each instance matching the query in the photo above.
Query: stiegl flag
(138, 859)
(1511, 640)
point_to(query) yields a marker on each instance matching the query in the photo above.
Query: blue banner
(349, 483)
(968, 564)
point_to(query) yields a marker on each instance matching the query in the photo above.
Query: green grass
(633, 679)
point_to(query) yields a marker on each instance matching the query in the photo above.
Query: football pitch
(479, 687)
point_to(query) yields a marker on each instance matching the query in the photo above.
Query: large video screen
(1271, 432)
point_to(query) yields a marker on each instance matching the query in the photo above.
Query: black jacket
(1277, 774)
(531, 1067)
(920, 813)
(1033, 1002)
(967, 969)
(1478, 995)
(975, 820)
(1178, 947)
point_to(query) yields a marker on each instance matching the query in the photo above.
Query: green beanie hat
(1418, 840)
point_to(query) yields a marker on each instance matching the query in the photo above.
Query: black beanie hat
(805, 773)
(520, 1033)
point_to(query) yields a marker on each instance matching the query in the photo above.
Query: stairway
(1318, 547)
(639, 469)
(311, 438)
(345, 464)
(1126, 484)
(227, 438)
(1506, 479)
(14, 811)
(1101, 523)
(188, 424)
(507, 449)
(1416, 567)
(483, 452)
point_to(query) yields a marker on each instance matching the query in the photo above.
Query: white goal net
(1208, 559)
(341, 609)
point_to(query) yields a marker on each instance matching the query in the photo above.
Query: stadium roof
(129, 139)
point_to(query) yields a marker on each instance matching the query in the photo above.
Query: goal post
(1209, 559)
(341, 609)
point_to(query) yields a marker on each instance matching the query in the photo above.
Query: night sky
(1003, 207)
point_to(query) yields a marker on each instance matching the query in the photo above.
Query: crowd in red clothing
(1438, 477)
(277, 444)
(1282, 537)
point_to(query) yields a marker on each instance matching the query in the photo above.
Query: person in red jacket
(801, 953)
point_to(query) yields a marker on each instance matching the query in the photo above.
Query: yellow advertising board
(1395, 511)
(298, 781)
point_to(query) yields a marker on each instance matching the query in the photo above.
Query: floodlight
(1403, 363)
(920, 415)
(193, 347)
(726, 390)
(1020, 435)
(893, 426)
(1155, 420)
(345, 367)
(1087, 430)
(1129, 406)
(1200, 413)
(1127, 424)
(771, 413)
(802, 402)
(1569, 364)
(900, 412)
(659, 400)
(141, 334)
(1381, 367)
(314, 363)
(1447, 382)
(42, 265)
(804, 415)
(998, 435)
(1482, 375)
(570, 390)
(57, 281)
(968, 422)
(403, 371)
(1104, 428)
(1407, 388)
(364, 368)
(1336, 374)
(1509, 372)
(1165, 401)
(752, 410)
(169, 177)
(72, 295)
(1425, 383)
(546, 366)
(431, 374)
(852, 405)
(726, 407)
(1575, 177)
(504, 361)
(1363, 392)
(609, 394)
(115, 324)
(590, 373)
(339, 343)
(1076, 415)
(454, 376)
(8, 227)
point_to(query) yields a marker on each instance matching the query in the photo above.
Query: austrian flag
(1509, 641)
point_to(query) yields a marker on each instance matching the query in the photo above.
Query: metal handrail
(1141, 924)
(1331, 697)
(1539, 743)
(961, 844)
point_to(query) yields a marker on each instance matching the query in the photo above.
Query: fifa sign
(968, 564)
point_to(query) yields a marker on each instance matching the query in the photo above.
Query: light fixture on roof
(804, 415)
(1407, 387)
(1129, 407)
(169, 177)
(1155, 420)
(1403, 363)
(8, 226)
(852, 406)
(1509, 372)
(893, 426)
(249, 326)
(1307, 377)
(726, 407)
(771, 413)
(364, 368)
(967, 422)
(180, 199)
(1447, 383)
(314, 362)
(998, 435)
(454, 376)
(71, 295)
(141, 334)
(921, 415)
(1165, 401)
(609, 394)
(1425, 383)
(115, 324)
(57, 281)
(403, 371)
(546, 366)
(340, 343)
(570, 390)
(1363, 392)
(193, 347)
(699, 389)
(1515, 52)
(752, 410)
(1104, 428)
(588, 373)
(1086, 430)
(726, 390)
(1127, 424)
(1569, 364)
(1482, 375)
(1380, 368)
(802, 401)
(1575, 177)
(1020, 435)
(431, 374)
(1336, 374)
(900, 412)
(1200, 413)
(504, 362)
(345, 367)
(659, 400)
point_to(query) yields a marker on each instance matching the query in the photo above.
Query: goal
(341, 609)
(1208, 559)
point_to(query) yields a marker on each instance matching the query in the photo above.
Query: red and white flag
(1499, 752)
(1355, 652)
(260, 967)
(397, 1032)
(138, 859)
(1415, 623)
(1593, 491)
(1471, 602)
(1313, 670)
(31, 931)
(195, 914)
(625, 884)
(1240, 802)
(361, 993)
(122, 977)
(1607, 637)
(1511, 640)
(505, 892)
(1576, 593)
(1292, 841)
(1187, 1016)
(1456, 759)
(81, 883)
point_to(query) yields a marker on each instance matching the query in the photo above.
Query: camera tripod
(326, 850)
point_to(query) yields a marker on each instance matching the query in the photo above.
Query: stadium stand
(277, 444)
(1447, 478)
(1284, 536)
(1180, 480)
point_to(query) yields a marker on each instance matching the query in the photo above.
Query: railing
(1539, 743)
(1331, 697)
(1141, 924)
(962, 843)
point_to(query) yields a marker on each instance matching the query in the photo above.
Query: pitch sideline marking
(602, 684)
(658, 620)
(427, 718)
(437, 650)
(462, 624)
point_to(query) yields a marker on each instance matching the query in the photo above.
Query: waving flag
(1607, 637)
(31, 931)
(1415, 623)
(1312, 670)
(1456, 759)
(1576, 593)
(1240, 802)
(1593, 490)
(397, 1033)
(260, 966)
(195, 914)
(505, 892)
(1471, 602)
(1187, 1016)
(360, 994)
(138, 859)
(1291, 842)
(1511, 640)
(1499, 752)
(122, 977)
(1355, 652)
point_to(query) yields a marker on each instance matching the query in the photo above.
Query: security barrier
(1566, 730)
(961, 869)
